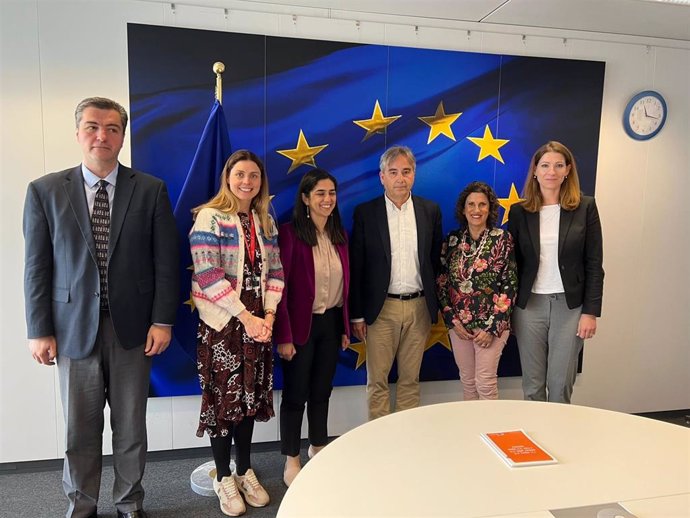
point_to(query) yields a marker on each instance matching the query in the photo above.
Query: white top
(402, 227)
(548, 277)
(373, 471)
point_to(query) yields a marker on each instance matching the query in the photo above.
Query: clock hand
(647, 114)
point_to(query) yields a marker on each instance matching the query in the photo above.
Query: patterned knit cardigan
(217, 246)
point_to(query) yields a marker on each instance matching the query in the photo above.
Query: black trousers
(308, 379)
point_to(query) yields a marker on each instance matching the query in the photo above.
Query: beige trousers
(400, 333)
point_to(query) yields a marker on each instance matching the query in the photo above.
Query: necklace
(469, 252)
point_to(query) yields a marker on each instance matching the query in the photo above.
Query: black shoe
(132, 514)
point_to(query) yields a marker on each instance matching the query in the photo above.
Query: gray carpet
(34, 490)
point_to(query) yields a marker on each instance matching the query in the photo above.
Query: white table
(431, 461)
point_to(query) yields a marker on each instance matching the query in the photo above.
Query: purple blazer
(293, 316)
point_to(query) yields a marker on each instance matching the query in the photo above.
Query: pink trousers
(478, 366)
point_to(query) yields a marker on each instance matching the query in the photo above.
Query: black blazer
(579, 254)
(61, 282)
(370, 256)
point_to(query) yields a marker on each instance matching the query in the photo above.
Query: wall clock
(645, 115)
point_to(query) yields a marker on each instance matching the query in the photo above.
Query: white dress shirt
(402, 228)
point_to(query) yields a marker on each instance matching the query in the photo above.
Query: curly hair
(481, 188)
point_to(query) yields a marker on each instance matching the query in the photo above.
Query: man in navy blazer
(394, 256)
(101, 328)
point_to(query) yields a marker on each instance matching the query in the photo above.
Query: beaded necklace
(475, 250)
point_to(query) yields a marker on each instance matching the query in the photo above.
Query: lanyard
(250, 241)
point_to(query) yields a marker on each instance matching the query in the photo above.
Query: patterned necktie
(100, 226)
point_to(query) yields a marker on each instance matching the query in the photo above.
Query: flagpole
(218, 69)
(201, 479)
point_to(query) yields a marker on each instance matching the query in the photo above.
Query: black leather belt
(406, 296)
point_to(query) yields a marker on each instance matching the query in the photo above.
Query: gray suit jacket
(61, 283)
(370, 256)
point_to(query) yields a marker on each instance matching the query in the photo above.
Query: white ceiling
(647, 18)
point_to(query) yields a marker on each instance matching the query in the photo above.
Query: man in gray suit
(101, 290)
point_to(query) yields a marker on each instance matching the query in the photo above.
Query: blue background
(274, 87)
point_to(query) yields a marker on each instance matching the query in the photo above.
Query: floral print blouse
(477, 283)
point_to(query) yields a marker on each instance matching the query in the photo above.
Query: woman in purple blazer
(312, 320)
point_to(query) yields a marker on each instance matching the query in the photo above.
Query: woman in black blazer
(558, 248)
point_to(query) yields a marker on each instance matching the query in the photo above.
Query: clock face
(645, 115)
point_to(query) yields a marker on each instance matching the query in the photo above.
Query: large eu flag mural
(301, 103)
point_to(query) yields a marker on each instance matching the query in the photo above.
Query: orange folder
(517, 448)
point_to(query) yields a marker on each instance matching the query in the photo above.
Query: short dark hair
(481, 188)
(304, 226)
(102, 103)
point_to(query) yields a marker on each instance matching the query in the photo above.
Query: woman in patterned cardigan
(476, 290)
(236, 287)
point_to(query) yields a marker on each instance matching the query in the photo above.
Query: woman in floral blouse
(476, 290)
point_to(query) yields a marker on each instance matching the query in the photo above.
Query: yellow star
(488, 145)
(361, 349)
(440, 123)
(508, 202)
(303, 153)
(190, 302)
(439, 334)
(377, 123)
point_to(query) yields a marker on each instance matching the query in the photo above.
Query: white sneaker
(231, 502)
(253, 492)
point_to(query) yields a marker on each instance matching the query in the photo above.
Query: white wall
(56, 53)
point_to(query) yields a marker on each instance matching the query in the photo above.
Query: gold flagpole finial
(218, 69)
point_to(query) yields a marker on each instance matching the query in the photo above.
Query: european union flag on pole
(199, 186)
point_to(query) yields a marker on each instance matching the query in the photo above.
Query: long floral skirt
(236, 377)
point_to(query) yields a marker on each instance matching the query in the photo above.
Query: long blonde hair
(225, 201)
(569, 195)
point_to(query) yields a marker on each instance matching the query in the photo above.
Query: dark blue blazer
(370, 256)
